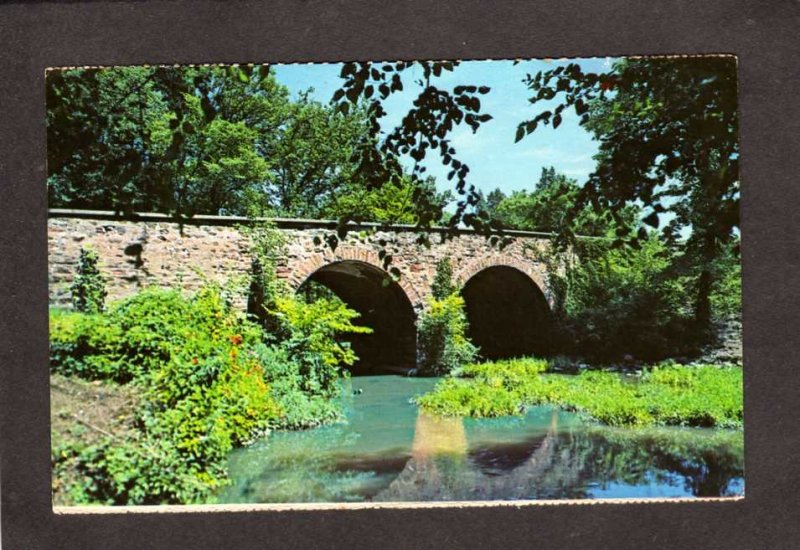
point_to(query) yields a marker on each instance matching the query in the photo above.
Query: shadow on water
(388, 451)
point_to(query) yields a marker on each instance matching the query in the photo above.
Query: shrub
(88, 289)
(300, 408)
(86, 345)
(312, 334)
(442, 337)
(204, 391)
(209, 379)
(626, 301)
(267, 245)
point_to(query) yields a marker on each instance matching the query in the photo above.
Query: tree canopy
(186, 140)
(193, 140)
(668, 135)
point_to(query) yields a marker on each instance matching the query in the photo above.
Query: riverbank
(84, 414)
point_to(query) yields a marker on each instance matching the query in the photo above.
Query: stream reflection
(387, 451)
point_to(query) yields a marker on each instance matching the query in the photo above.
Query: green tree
(667, 132)
(402, 202)
(552, 206)
(436, 111)
(493, 200)
(216, 164)
(97, 137)
(186, 140)
(312, 157)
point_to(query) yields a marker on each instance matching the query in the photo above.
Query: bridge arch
(507, 310)
(303, 269)
(383, 305)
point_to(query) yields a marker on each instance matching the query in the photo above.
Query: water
(388, 451)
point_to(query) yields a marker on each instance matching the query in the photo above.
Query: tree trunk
(705, 284)
(702, 312)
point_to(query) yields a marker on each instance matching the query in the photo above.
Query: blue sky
(493, 157)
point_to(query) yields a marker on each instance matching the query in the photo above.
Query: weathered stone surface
(221, 253)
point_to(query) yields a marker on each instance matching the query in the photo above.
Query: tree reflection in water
(561, 464)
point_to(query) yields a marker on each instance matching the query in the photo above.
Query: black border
(763, 35)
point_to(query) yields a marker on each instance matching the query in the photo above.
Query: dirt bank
(84, 413)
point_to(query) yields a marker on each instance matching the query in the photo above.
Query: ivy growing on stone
(443, 285)
(89, 288)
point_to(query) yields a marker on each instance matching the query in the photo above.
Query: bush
(726, 294)
(88, 289)
(267, 246)
(300, 408)
(209, 379)
(442, 337)
(86, 345)
(140, 334)
(312, 334)
(626, 301)
(204, 391)
(442, 285)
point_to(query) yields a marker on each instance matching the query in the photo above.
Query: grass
(672, 395)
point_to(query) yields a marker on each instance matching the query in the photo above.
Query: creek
(387, 450)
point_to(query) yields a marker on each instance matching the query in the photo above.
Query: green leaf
(652, 220)
(520, 133)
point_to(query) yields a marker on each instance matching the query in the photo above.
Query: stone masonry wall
(136, 254)
(167, 259)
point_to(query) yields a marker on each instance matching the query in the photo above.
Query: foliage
(667, 129)
(442, 337)
(185, 140)
(208, 381)
(726, 294)
(136, 336)
(552, 206)
(516, 370)
(89, 288)
(86, 345)
(697, 395)
(443, 285)
(626, 301)
(425, 128)
(396, 202)
(311, 332)
(267, 247)
(304, 402)
(203, 392)
(612, 301)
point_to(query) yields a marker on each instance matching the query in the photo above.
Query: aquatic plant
(697, 395)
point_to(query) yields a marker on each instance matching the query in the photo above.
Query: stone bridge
(506, 291)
